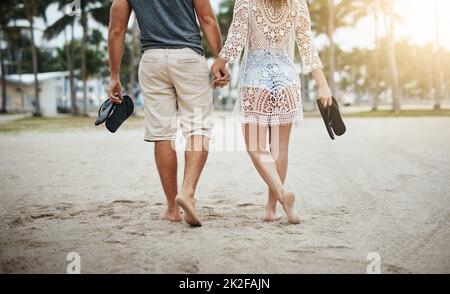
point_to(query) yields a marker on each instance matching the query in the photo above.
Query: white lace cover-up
(270, 89)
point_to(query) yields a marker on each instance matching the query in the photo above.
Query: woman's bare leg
(279, 137)
(255, 140)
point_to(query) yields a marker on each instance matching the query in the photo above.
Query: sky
(418, 25)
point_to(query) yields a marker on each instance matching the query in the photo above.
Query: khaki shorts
(176, 89)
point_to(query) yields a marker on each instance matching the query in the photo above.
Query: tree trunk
(19, 73)
(83, 58)
(392, 60)
(430, 80)
(376, 98)
(440, 77)
(331, 53)
(70, 66)
(4, 93)
(31, 8)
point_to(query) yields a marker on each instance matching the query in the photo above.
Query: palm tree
(331, 55)
(390, 29)
(328, 16)
(438, 56)
(31, 10)
(16, 43)
(101, 15)
(375, 7)
(67, 21)
(84, 24)
(99, 11)
(28, 10)
(4, 88)
(8, 11)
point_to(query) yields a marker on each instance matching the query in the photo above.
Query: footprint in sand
(188, 267)
(246, 204)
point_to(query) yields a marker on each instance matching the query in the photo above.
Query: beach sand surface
(383, 187)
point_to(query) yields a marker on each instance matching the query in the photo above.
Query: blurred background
(379, 55)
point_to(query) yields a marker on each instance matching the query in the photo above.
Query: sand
(383, 188)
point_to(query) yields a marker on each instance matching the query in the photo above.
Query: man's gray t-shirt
(167, 24)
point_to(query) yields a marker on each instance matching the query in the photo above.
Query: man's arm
(209, 25)
(118, 23)
(211, 31)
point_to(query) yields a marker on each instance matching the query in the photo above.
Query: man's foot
(172, 215)
(289, 208)
(190, 214)
(270, 215)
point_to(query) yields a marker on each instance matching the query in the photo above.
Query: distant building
(54, 91)
(96, 91)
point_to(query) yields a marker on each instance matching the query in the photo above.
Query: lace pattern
(270, 89)
(308, 52)
(237, 34)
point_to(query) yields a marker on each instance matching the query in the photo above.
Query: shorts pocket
(188, 60)
(149, 59)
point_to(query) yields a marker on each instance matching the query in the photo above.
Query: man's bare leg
(195, 158)
(166, 162)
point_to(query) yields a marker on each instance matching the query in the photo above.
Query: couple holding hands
(175, 83)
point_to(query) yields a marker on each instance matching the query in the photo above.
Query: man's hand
(220, 73)
(115, 91)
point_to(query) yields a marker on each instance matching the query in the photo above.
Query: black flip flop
(120, 114)
(115, 114)
(104, 112)
(337, 123)
(326, 116)
(332, 119)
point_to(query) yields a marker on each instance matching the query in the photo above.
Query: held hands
(325, 96)
(220, 73)
(115, 91)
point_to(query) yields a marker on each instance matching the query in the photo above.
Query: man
(174, 81)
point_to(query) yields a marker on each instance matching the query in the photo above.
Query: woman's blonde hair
(277, 3)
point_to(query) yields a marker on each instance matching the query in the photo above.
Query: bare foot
(190, 214)
(289, 208)
(270, 215)
(172, 215)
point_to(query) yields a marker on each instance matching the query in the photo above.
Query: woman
(270, 93)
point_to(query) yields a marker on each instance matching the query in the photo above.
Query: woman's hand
(325, 96)
(220, 73)
(324, 91)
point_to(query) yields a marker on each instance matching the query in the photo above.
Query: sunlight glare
(419, 24)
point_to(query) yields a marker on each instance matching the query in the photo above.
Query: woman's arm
(237, 35)
(324, 91)
(310, 57)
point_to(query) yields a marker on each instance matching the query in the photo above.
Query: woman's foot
(289, 208)
(172, 214)
(270, 215)
(190, 214)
